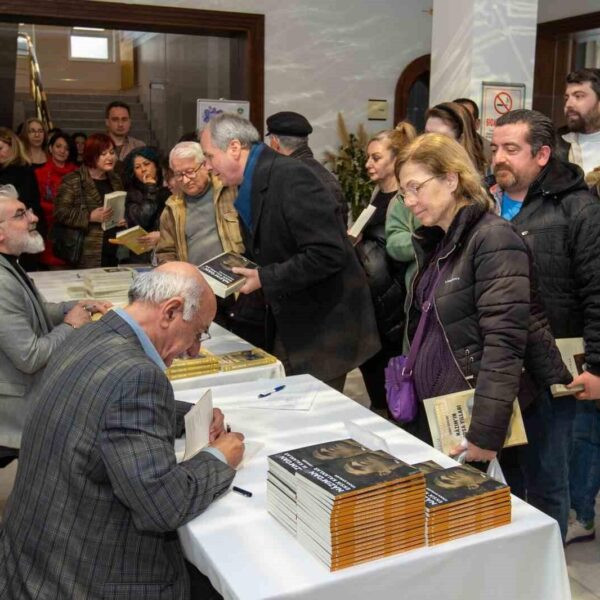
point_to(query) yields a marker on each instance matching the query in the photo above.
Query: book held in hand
(449, 417)
(218, 274)
(361, 221)
(572, 352)
(129, 238)
(116, 201)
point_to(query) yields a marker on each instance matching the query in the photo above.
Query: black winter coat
(483, 303)
(144, 205)
(560, 221)
(311, 278)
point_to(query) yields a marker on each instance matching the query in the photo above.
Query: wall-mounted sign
(497, 100)
(377, 110)
(207, 108)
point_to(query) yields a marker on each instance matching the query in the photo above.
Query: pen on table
(275, 389)
(242, 492)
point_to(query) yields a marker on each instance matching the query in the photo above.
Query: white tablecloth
(53, 287)
(247, 554)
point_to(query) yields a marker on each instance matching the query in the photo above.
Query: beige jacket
(172, 244)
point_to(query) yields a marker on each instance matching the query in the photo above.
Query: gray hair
(291, 142)
(228, 126)
(8, 190)
(155, 287)
(186, 150)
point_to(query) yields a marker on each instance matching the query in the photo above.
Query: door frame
(162, 19)
(411, 73)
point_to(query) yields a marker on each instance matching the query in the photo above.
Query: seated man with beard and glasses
(30, 329)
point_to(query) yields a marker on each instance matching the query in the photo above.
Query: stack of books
(204, 363)
(111, 283)
(357, 509)
(242, 359)
(281, 480)
(461, 500)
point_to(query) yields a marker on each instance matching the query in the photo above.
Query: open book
(449, 418)
(573, 354)
(129, 238)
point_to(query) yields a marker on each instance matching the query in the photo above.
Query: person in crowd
(169, 180)
(79, 138)
(288, 134)
(30, 329)
(79, 202)
(549, 204)
(146, 195)
(199, 221)
(49, 178)
(580, 143)
(385, 276)
(455, 121)
(33, 136)
(476, 270)
(473, 109)
(320, 316)
(98, 495)
(15, 168)
(118, 125)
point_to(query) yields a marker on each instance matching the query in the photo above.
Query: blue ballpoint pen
(276, 389)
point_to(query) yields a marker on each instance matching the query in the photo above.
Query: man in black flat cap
(288, 132)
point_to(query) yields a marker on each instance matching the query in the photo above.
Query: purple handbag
(401, 395)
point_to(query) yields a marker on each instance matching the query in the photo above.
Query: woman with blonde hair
(384, 275)
(15, 168)
(34, 140)
(471, 297)
(454, 120)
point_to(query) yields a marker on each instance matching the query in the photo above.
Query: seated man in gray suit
(30, 329)
(98, 494)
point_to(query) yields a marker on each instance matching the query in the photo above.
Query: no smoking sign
(503, 103)
(497, 100)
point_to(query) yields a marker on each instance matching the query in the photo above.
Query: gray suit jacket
(98, 495)
(30, 331)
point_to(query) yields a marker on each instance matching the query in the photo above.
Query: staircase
(85, 112)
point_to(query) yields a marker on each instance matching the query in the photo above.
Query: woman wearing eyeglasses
(477, 327)
(34, 140)
(80, 200)
(146, 195)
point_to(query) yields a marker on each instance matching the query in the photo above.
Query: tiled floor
(583, 560)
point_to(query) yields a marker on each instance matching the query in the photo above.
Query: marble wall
(322, 57)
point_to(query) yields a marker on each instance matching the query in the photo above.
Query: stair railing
(35, 80)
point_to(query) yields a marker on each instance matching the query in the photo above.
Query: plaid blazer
(98, 495)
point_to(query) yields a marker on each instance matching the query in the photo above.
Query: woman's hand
(148, 179)
(474, 453)
(150, 240)
(101, 215)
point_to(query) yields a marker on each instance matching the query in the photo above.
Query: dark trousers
(200, 586)
(539, 471)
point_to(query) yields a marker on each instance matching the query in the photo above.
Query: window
(88, 43)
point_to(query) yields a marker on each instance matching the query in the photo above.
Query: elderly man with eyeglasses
(199, 222)
(30, 329)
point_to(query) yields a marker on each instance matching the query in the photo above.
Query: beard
(30, 243)
(505, 176)
(589, 123)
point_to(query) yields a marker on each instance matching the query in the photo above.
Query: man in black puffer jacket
(548, 202)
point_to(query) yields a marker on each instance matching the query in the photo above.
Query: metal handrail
(37, 89)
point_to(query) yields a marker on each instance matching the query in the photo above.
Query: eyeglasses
(20, 214)
(189, 173)
(414, 188)
(203, 336)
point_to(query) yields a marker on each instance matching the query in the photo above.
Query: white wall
(551, 10)
(325, 56)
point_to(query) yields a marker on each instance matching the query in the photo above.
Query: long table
(248, 555)
(53, 285)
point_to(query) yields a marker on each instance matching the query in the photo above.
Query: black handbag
(67, 242)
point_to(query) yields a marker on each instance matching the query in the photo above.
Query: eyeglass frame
(415, 191)
(194, 173)
(203, 336)
(20, 214)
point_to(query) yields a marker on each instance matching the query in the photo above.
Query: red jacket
(49, 178)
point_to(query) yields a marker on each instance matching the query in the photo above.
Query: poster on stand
(497, 100)
(207, 108)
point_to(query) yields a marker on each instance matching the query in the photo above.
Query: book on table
(572, 351)
(243, 359)
(129, 239)
(449, 417)
(202, 364)
(218, 274)
(116, 201)
(461, 501)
